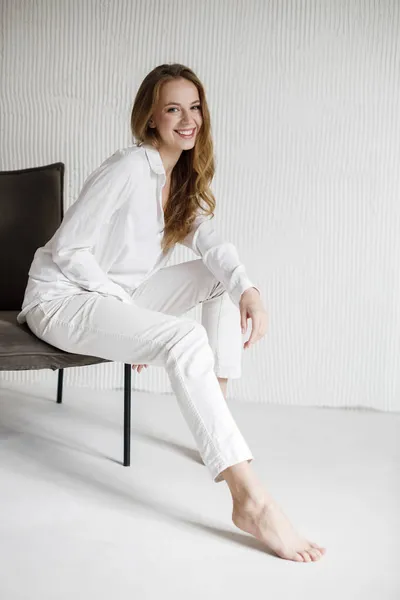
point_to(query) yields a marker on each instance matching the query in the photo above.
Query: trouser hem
(220, 464)
(228, 372)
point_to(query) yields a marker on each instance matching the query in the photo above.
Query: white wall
(304, 98)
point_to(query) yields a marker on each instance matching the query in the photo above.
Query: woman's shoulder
(122, 170)
(126, 159)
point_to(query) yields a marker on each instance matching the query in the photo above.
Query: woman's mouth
(186, 134)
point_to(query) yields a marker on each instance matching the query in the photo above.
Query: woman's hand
(139, 367)
(251, 307)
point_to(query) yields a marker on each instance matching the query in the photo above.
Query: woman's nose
(186, 118)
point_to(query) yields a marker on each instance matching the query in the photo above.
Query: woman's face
(178, 113)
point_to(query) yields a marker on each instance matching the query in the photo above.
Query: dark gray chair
(31, 209)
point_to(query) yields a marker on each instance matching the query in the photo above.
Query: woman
(99, 286)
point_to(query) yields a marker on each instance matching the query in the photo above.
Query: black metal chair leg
(127, 415)
(60, 385)
(127, 408)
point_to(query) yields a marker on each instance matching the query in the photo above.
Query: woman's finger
(258, 329)
(139, 367)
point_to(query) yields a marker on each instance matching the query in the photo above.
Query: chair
(31, 209)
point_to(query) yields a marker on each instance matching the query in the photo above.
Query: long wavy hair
(191, 177)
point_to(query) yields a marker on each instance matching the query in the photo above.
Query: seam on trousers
(211, 297)
(218, 320)
(106, 333)
(194, 409)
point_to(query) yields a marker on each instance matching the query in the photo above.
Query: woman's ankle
(244, 484)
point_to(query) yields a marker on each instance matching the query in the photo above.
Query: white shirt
(109, 240)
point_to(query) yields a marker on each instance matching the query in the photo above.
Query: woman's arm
(219, 256)
(103, 192)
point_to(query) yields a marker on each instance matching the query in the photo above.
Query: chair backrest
(31, 210)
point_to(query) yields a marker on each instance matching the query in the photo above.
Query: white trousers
(152, 331)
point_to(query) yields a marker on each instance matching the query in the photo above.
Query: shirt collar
(154, 158)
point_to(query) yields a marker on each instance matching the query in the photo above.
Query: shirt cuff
(243, 285)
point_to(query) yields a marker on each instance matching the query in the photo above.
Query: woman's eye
(175, 108)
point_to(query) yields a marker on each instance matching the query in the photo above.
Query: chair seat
(21, 350)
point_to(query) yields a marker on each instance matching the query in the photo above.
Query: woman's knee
(191, 353)
(215, 286)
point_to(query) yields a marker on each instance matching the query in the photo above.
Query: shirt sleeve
(219, 256)
(103, 192)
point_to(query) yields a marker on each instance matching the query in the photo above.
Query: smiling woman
(101, 287)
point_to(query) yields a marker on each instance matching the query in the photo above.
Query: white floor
(75, 524)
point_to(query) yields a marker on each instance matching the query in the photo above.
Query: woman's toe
(305, 555)
(314, 553)
(298, 557)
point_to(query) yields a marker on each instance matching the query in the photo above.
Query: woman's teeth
(186, 134)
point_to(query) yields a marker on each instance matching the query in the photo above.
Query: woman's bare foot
(255, 512)
(264, 520)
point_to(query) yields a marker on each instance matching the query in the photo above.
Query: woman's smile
(186, 133)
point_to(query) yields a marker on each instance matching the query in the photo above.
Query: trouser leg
(91, 324)
(176, 289)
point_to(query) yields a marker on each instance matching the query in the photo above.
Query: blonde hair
(194, 171)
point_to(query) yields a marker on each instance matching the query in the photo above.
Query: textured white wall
(304, 98)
